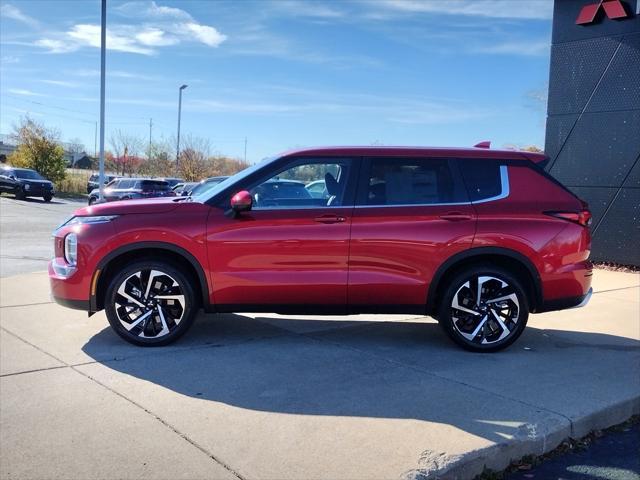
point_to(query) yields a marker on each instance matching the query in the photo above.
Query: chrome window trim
(504, 183)
(504, 193)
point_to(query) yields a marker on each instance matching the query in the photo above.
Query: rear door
(411, 214)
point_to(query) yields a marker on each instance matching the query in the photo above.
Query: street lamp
(179, 115)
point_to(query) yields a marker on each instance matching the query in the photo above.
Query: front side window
(28, 175)
(414, 181)
(288, 188)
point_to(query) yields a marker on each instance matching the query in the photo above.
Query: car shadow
(34, 200)
(394, 370)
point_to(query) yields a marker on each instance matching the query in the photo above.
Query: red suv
(476, 238)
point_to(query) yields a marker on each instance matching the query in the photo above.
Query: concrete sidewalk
(266, 396)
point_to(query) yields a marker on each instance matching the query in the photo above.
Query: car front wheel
(484, 309)
(47, 197)
(151, 303)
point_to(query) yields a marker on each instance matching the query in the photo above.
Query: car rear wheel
(151, 303)
(484, 309)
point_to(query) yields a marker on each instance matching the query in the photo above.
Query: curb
(497, 457)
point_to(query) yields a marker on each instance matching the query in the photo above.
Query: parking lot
(274, 397)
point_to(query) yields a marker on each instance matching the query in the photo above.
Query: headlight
(88, 220)
(27, 186)
(71, 248)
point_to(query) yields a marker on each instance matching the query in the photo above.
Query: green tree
(38, 148)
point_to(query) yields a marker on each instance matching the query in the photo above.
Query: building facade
(593, 118)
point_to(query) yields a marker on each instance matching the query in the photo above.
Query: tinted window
(409, 181)
(482, 178)
(126, 184)
(287, 189)
(28, 174)
(155, 185)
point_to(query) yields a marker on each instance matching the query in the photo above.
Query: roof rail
(485, 144)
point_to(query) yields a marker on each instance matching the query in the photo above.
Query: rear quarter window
(482, 178)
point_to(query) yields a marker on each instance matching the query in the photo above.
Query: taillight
(582, 217)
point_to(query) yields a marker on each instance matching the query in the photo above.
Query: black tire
(513, 312)
(118, 306)
(20, 195)
(47, 197)
(92, 200)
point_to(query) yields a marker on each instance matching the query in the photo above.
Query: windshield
(28, 174)
(207, 193)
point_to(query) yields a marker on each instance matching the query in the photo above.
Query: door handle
(329, 219)
(456, 216)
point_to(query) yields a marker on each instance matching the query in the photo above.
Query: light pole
(179, 114)
(103, 48)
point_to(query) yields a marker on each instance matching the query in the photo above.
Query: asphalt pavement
(26, 229)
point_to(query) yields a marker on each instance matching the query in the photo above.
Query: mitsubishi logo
(613, 9)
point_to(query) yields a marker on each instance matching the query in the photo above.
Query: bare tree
(193, 163)
(126, 148)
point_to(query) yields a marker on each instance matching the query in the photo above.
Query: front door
(411, 214)
(290, 252)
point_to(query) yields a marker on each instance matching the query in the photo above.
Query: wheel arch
(515, 261)
(106, 268)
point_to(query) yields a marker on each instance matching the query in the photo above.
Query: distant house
(82, 161)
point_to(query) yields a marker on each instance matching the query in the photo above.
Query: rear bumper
(565, 303)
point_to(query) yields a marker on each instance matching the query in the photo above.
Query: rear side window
(154, 185)
(126, 184)
(482, 178)
(414, 181)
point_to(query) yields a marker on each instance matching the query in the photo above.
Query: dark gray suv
(24, 182)
(129, 188)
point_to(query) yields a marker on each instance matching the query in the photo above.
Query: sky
(282, 74)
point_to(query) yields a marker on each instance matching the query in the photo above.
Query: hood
(127, 207)
(34, 182)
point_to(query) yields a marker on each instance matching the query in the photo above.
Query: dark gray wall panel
(600, 151)
(564, 22)
(575, 71)
(620, 86)
(617, 239)
(558, 128)
(597, 198)
(633, 180)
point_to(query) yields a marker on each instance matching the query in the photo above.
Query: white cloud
(9, 11)
(206, 34)
(515, 48)
(307, 9)
(61, 83)
(524, 9)
(155, 26)
(24, 92)
(154, 37)
(152, 10)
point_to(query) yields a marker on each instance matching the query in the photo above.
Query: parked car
(94, 181)
(317, 189)
(206, 184)
(24, 182)
(130, 188)
(476, 238)
(184, 188)
(172, 181)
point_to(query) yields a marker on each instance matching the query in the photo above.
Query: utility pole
(179, 115)
(150, 127)
(103, 50)
(245, 149)
(95, 140)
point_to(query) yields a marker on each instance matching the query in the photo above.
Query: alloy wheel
(150, 303)
(485, 310)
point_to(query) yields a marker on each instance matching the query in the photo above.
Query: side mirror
(241, 202)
